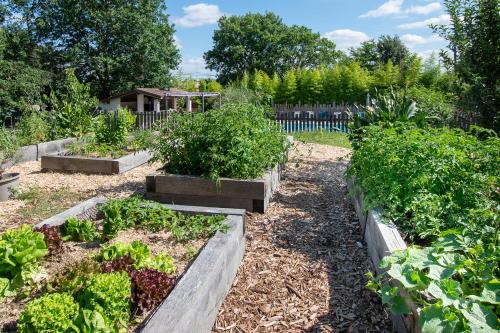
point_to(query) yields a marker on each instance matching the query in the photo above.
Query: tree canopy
(114, 45)
(473, 38)
(263, 42)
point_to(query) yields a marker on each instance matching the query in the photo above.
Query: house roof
(161, 93)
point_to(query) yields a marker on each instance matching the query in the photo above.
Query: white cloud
(390, 7)
(198, 15)
(346, 38)
(442, 19)
(412, 39)
(177, 42)
(195, 67)
(424, 10)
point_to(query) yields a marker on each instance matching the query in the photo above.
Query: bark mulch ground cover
(305, 263)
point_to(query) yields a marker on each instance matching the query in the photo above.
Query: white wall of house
(113, 104)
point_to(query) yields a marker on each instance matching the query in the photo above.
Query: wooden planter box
(95, 165)
(252, 195)
(193, 304)
(382, 238)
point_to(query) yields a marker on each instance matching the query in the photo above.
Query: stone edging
(382, 238)
(95, 165)
(193, 304)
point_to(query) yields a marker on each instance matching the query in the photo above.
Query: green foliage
(33, 128)
(112, 128)
(20, 251)
(21, 86)
(437, 106)
(237, 141)
(79, 230)
(142, 140)
(121, 214)
(430, 180)
(473, 55)
(140, 254)
(49, 313)
(72, 107)
(440, 188)
(116, 47)
(8, 145)
(254, 41)
(109, 294)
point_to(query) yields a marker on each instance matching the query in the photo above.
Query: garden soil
(305, 262)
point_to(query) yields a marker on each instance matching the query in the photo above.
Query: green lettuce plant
(20, 252)
(79, 230)
(49, 313)
(109, 294)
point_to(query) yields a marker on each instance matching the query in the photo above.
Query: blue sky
(347, 22)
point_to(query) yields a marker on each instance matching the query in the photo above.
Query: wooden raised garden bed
(382, 238)
(192, 305)
(253, 195)
(95, 165)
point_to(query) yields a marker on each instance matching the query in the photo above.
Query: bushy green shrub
(72, 107)
(440, 187)
(49, 313)
(112, 128)
(79, 230)
(33, 128)
(237, 141)
(431, 180)
(434, 104)
(109, 293)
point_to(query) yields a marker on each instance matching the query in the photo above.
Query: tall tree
(114, 45)
(473, 38)
(392, 48)
(366, 54)
(243, 44)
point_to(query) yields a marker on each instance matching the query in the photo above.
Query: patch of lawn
(336, 139)
(44, 203)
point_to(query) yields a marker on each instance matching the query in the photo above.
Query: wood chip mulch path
(305, 262)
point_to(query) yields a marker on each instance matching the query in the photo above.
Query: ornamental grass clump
(237, 141)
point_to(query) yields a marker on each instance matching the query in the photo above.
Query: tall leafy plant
(237, 141)
(72, 109)
(8, 146)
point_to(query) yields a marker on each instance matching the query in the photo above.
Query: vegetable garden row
(439, 188)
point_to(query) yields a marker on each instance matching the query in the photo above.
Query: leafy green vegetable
(109, 294)
(140, 254)
(121, 214)
(49, 313)
(79, 230)
(20, 251)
